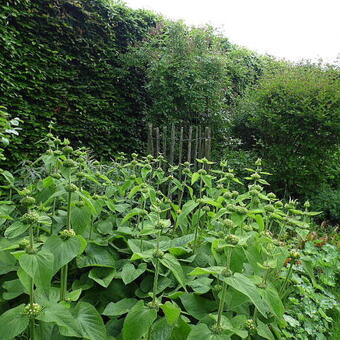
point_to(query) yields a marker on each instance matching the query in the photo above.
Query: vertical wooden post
(209, 143)
(206, 143)
(150, 141)
(189, 144)
(172, 146)
(196, 147)
(157, 141)
(201, 145)
(180, 152)
(164, 141)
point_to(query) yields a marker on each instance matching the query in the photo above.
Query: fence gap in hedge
(180, 144)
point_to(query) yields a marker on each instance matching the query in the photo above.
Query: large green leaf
(188, 207)
(103, 276)
(248, 288)
(171, 312)
(39, 267)
(130, 273)
(181, 330)
(161, 330)
(172, 263)
(16, 229)
(202, 332)
(271, 296)
(13, 322)
(90, 323)
(60, 315)
(96, 256)
(264, 331)
(64, 251)
(83, 321)
(80, 219)
(121, 307)
(198, 306)
(138, 321)
(7, 262)
(13, 288)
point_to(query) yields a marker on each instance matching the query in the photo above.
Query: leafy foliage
(63, 61)
(138, 249)
(292, 119)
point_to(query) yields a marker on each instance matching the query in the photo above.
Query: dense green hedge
(100, 69)
(292, 120)
(64, 60)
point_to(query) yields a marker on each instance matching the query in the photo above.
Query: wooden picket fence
(180, 144)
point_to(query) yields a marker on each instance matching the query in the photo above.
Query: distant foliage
(61, 60)
(292, 119)
(186, 73)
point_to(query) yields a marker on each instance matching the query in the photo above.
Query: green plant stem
(53, 212)
(32, 329)
(182, 192)
(155, 282)
(91, 228)
(64, 270)
(31, 292)
(283, 287)
(69, 210)
(221, 305)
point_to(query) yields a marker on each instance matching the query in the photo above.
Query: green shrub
(63, 60)
(327, 200)
(292, 120)
(133, 249)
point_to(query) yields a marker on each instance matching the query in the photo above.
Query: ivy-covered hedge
(63, 60)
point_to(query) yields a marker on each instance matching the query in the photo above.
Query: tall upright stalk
(31, 291)
(197, 226)
(224, 292)
(157, 255)
(64, 269)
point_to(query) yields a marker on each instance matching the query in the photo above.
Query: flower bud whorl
(158, 254)
(56, 175)
(217, 288)
(226, 272)
(24, 243)
(25, 192)
(250, 325)
(32, 310)
(241, 210)
(69, 163)
(235, 194)
(271, 195)
(221, 234)
(229, 224)
(31, 217)
(269, 208)
(202, 172)
(255, 176)
(232, 239)
(28, 201)
(67, 150)
(228, 195)
(30, 250)
(295, 255)
(71, 187)
(67, 233)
